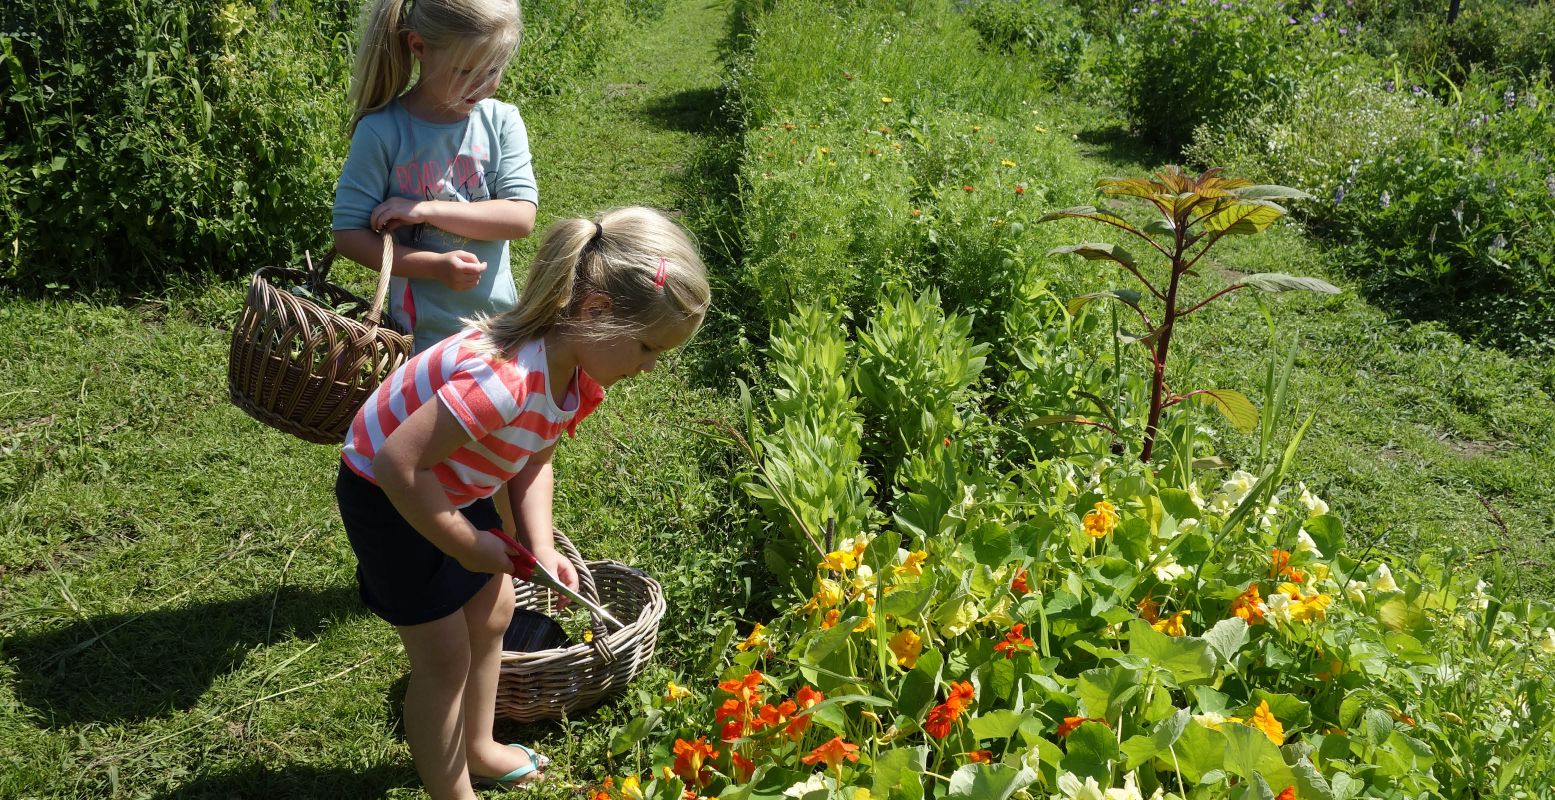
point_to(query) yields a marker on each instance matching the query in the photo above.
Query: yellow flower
(823, 150)
(1263, 719)
(1101, 520)
(862, 794)
(756, 639)
(865, 624)
(828, 593)
(629, 788)
(840, 560)
(1214, 720)
(1172, 626)
(1006, 163)
(906, 646)
(886, 100)
(674, 693)
(913, 564)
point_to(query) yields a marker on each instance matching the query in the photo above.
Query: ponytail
(637, 257)
(382, 67)
(490, 30)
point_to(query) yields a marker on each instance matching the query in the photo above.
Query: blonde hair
(618, 254)
(490, 30)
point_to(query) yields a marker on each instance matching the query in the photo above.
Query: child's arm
(487, 220)
(531, 492)
(403, 467)
(457, 269)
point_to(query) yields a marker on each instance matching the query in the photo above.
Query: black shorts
(404, 578)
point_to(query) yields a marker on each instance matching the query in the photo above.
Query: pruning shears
(527, 568)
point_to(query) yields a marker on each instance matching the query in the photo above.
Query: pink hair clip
(658, 277)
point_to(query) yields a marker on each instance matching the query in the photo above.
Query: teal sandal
(537, 763)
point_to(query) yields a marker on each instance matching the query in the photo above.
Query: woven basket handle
(320, 273)
(586, 588)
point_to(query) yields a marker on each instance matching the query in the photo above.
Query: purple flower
(1344, 31)
(1549, 184)
(1339, 194)
(1293, 21)
(1386, 199)
(1417, 89)
(1389, 87)
(1510, 97)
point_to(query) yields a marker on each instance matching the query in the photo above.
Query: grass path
(177, 609)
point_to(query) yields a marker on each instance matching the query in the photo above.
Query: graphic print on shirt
(463, 178)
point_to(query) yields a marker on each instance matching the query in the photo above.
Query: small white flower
(1479, 597)
(1383, 580)
(1312, 502)
(1304, 544)
(1212, 720)
(1169, 570)
(1232, 491)
(1130, 791)
(1073, 789)
(864, 579)
(1547, 642)
(1279, 607)
(1355, 591)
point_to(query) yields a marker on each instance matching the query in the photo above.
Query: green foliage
(1051, 32)
(1184, 64)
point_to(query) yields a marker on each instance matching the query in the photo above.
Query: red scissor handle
(523, 560)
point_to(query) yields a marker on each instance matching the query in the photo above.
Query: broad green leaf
(989, 781)
(918, 687)
(1128, 297)
(1097, 251)
(1270, 192)
(1104, 690)
(1226, 638)
(1280, 282)
(1198, 752)
(896, 772)
(1255, 789)
(1092, 748)
(1148, 339)
(635, 731)
(998, 724)
(1249, 752)
(1234, 405)
(1327, 532)
(1187, 658)
(1244, 218)
(1086, 212)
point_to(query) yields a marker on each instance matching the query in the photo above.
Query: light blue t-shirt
(484, 156)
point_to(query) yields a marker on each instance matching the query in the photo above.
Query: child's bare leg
(434, 721)
(486, 618)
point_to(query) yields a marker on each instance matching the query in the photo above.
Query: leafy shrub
(1495, 35)
(1186, 63)
(140, 139)
(1052, 33)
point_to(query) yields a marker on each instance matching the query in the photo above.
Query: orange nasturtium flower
(1279, 566)
(1019, 584)
(1288, 793)
(830, 620)
(1172, 626)
(805, 699)
(980, 756)
(741, 766)
(603, 792)
(1263, 719)
(1070, 723)
(940, 718)
(691, 759)
(1149, 609)
(906, 646)
(1248, 606)
(1100, 520)
(1014, 641)
(833, 753)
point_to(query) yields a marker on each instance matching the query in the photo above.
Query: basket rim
(645, 623)
(263, 280)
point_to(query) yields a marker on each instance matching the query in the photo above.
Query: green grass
(179, 611)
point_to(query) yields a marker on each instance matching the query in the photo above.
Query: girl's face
(453, 78)
(610, 360)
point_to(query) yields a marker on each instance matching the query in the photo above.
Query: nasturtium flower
(1213, 720)
(1019, 584)
(1279, 566)
(1383, 581)
(962, 693)
(1311, 502)
(906, 646)
(1075, 789)
(839, 560)
(1248, 606)
(1168, 570)
(1305, 544)
(886, 100)
(756, 639)
(980, 756)
(1149, 609)
(741, 766)
(1263, 719)
(942, 716)
(912, 563)
(833, 752)
(806, 698)
(691, 759)
(1005, 162)
(828, 593)
(1172, 626)
(631, 788)
(603, 793)
(1014, 641)
(830, 620)
(1288, 793)
(866, 623)
(1069, 724)
(675, 694)
(1100, 520)
(818, 782)
(1232, 491)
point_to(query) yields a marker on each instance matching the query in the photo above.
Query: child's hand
(560, 566)
(462, 270)
(489, 556)
(395, 212)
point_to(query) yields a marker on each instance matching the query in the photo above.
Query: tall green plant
(1191, 215)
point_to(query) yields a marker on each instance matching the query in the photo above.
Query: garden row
(145, 140)
(979, 600)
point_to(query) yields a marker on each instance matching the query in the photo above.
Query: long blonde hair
(490, 30)
(646, 264)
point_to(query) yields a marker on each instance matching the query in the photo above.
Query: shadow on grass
(273, 781)
(695, 111)
(1120, 147)
(127, 667)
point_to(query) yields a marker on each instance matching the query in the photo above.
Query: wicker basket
(305, 368)
(551, 684)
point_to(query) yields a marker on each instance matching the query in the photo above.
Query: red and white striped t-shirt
(505, 406)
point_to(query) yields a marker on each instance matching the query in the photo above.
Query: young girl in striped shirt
(480, 410)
